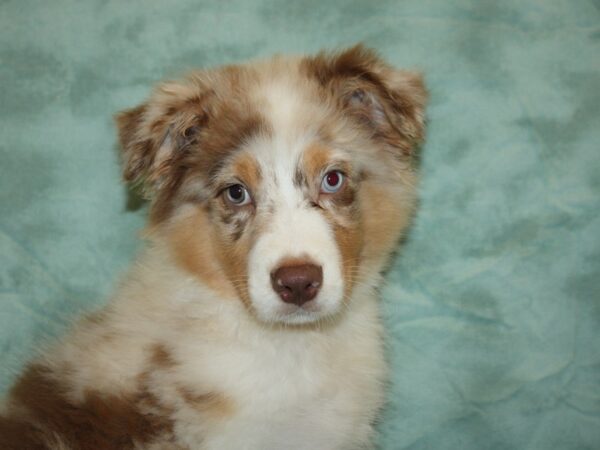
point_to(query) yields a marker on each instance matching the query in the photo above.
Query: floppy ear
(155, 136)
(389, 101)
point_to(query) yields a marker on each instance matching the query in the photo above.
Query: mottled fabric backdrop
(493, 305)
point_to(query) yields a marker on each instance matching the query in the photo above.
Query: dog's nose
(297, 284)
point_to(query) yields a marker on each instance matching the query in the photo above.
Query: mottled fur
(195, 349)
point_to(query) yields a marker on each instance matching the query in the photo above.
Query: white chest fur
(289, 389)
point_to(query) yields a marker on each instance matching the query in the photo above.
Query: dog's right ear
(390, 101)
(156, 135)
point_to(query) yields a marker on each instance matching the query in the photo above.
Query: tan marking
(212, 404)
(349, 241)
(234, 260)
(314, 159)
(384, 217)
(211, 255)
(246, 168)
(162, 357)
(345, 197)
(193, 244)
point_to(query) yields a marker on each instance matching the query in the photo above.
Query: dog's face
(283, 183)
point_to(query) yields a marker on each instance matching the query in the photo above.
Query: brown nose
(297, 284)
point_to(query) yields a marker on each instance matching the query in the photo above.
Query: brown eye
(237, 195)
(332, 182)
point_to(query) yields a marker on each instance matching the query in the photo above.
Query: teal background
(493, 305)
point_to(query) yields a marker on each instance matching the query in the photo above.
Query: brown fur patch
(19, 435)
(349, 239)
(193, 245)
(344, 197)
(136, 154)
(357, 61)
(350, 243)
(233, 125)
(99, 422)
(233, 255)
(162, 357)
(222, 136)
(212, 404)
(230, 243)
(383, 219)
(187, 128)
(314, 159)
(387, 101)
(248, 170)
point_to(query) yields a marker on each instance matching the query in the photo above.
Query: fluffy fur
(196, 350)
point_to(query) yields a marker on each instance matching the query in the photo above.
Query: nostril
(297, 284)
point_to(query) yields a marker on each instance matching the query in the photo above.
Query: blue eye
(237, 195)
(332, 182)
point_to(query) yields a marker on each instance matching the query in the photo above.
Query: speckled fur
(195, 350)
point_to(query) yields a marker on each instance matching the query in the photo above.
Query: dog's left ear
(155, 136)
(391, 102)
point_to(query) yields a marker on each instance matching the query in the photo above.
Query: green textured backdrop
(492, 307)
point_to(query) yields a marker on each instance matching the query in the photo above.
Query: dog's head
(284, 183)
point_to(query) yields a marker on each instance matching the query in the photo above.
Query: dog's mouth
(299, 314)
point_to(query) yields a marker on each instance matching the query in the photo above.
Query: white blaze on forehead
(286, 111)
(287, 105)
(292, 114)
(294, 229)
(295, 233)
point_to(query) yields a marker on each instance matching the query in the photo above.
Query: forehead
(290, 107)
(270, 123)
(305, 128)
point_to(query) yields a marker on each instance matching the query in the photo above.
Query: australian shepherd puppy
(278, 190)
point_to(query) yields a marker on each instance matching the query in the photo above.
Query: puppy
(278, 190)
